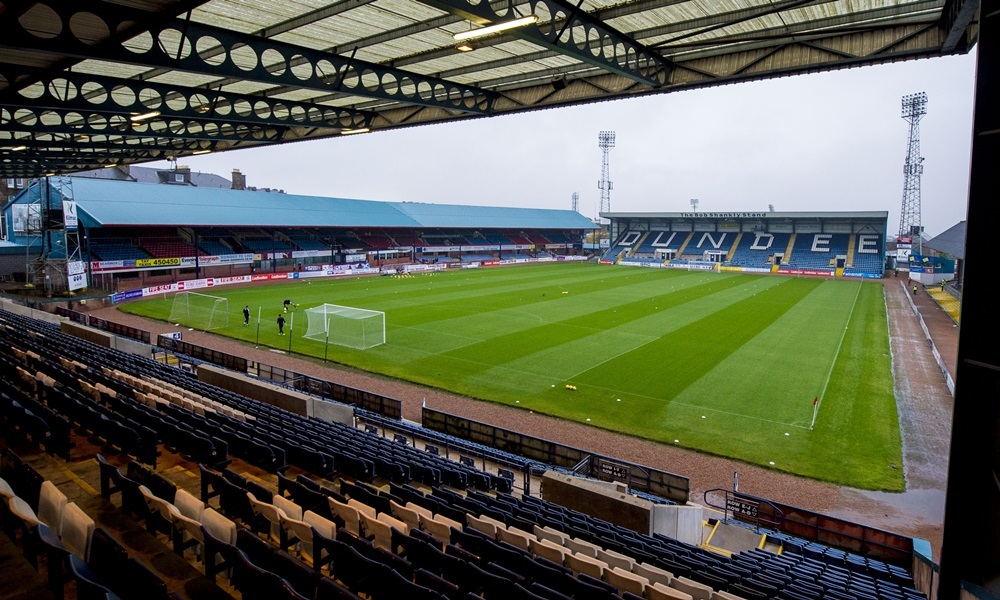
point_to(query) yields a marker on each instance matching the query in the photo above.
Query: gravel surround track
(923, 400)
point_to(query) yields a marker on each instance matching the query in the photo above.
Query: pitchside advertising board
(76, 275)
(211, 282)
(325, 271)
(106, 266)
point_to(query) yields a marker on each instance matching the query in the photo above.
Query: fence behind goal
(357, 328)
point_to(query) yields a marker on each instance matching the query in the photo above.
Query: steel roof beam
(621, 10)
(67, 158)
(956, 19)
(290, 25)
(826, 27)
(725, 18)
(183, 45)
(95, 124)
(32, 169)
(107, 144)
(68, 90)
(582, 37)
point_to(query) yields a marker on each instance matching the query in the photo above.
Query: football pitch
(725, 363)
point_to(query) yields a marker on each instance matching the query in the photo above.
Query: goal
(200, 311)
(346, 326)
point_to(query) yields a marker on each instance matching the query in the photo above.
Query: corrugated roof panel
(122, 203)
(249, 17)
(127, 203)
(99, 67)
(950, 242)
(185, 79)
(301, 96)
(461, 216)
(417, 44)
(246, 87)
(342, 29)
(556, 61)
(416, 11)
(460, 60)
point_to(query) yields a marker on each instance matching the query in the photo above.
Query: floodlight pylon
(914, 107)
(605, 141)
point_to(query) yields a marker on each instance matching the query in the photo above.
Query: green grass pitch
(724, 363)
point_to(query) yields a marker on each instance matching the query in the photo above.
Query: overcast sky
(820, 142)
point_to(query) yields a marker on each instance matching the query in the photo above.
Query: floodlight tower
(605, 141)
(576, 201)
(914, 108)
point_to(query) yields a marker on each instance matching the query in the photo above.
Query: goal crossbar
(349, 326)
(200, 311)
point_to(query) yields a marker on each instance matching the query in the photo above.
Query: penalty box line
(833, 363)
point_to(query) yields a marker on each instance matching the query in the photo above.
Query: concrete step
(734, 538)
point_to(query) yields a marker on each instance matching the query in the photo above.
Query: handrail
(746, 508)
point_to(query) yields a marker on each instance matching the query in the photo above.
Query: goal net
(200, 311)
(346, 326)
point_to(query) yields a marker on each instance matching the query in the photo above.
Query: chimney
(239, 180)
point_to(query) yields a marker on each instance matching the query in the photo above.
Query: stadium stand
(310, 244)
(214, 247)
(115, 249)
(377, 240)
(168, 247)
(443, 238)
(497, 238)
(362, 514)
(407, 239)
(517, 237)
(818, 251)
(265, 244)
(660, 240)
(468, 258)
(758, 251)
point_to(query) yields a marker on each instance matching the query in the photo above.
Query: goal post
(357, 328)
(200, 311)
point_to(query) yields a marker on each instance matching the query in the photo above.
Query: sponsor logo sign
(159, 289)
(158, 262)
(229, 280)
(122, 296)
(76, 282)
(70, 221)
(75, 267)
(724, 215)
